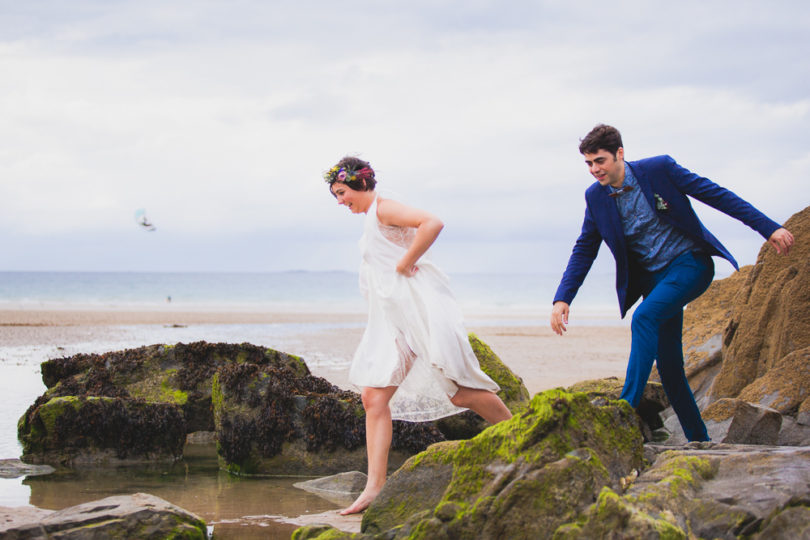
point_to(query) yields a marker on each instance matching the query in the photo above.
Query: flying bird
(142, 220)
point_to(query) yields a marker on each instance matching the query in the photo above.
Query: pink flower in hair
(364, 174)
(341, 176)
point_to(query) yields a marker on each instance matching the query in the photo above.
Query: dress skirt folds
(415, 337)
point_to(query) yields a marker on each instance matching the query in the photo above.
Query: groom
(640, 209)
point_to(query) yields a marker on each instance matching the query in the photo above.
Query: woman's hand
(407, 270)
(427, 228)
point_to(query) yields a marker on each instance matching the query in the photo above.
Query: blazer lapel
(645, 185)
(610, 211)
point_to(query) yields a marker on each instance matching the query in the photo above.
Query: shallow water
(242, 508)
(236, 508)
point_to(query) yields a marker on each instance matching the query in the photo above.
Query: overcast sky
(219, 118)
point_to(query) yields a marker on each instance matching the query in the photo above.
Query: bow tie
(623, 189)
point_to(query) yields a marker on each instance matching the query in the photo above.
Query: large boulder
(123, 516)
(770, 318)
(130, 406)
(517, 479)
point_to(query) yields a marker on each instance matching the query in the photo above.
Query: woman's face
(356, 201)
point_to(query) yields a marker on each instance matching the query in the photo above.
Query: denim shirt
(654, 242)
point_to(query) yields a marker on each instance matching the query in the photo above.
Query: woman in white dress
(414, 361)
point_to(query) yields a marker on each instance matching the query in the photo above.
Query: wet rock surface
(14, 468)
(123, 516)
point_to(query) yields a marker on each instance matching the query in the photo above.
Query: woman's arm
(428, 227)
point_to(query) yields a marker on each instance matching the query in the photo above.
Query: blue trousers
(657, 327)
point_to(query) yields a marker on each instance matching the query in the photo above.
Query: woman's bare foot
(362, 502)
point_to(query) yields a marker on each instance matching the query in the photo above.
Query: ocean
(278, 291)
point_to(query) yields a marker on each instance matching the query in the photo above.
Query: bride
(414, 361)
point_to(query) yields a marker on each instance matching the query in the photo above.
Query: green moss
(513, 392)
(537, 435)
(614, 514)
(647, 508)
(159, 388)
(322, 532)
(53, 409)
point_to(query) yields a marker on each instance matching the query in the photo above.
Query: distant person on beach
(640, 209)
(414, 361)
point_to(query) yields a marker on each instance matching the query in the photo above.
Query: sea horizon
(334, 291)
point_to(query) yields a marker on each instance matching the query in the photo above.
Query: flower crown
(346, 175)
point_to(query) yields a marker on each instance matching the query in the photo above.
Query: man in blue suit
(640, 209)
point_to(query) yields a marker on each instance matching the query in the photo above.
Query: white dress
(415, 337)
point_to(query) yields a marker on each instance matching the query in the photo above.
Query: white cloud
(220, 117)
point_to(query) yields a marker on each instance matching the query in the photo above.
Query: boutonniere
(660, 203)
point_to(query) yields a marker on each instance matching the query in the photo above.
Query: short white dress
(415, 337)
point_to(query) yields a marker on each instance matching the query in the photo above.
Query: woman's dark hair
(352, 171)
(602, 137)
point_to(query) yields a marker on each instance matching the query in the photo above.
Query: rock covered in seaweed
(129, 406)
(272, 419)
(140, 404)
(96, 430)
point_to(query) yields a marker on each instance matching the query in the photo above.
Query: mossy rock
(513, 392)
(76, 430)
(505, 480)
(653, 400)
(656, 508)
(181, 374)
(176, 378)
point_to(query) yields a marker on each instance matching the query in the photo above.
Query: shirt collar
(629, 179)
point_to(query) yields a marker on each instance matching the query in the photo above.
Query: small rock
(14, 468)
(340, 489)
(122, 516)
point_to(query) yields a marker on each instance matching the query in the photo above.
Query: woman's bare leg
(378, 442)
(485, 403)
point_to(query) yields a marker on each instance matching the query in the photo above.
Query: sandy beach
(543, 359)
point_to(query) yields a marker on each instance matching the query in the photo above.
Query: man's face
(607, 169)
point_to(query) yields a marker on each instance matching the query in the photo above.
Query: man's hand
(781, 240)
(559, 317)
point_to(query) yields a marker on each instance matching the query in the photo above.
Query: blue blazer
(661, 176)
